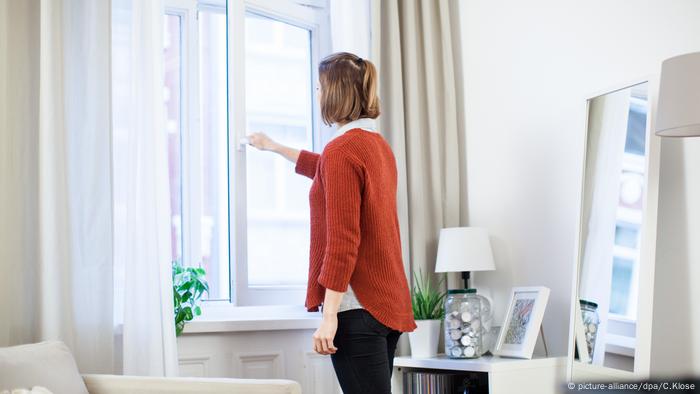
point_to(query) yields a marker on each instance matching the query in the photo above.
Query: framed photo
(522, 322)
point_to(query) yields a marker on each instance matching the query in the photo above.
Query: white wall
(256, 353)
(528, 67)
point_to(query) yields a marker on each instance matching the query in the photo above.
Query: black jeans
(365, 357)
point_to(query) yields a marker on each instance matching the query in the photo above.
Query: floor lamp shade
(678, 109)
(464, 249)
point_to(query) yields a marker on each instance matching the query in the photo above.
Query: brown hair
(348, 88)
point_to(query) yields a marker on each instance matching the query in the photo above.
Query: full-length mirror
(610, 330)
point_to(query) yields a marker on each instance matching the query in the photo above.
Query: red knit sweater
(354, 227)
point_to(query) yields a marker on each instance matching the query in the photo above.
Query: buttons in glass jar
(462, 324)
(589, 313)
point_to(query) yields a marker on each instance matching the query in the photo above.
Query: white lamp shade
(678, 113)
(464, 249)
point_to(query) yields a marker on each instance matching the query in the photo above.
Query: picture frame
(522, 322)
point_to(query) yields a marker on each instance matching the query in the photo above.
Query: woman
(356, 273)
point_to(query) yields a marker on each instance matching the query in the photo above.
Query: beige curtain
(415, 44)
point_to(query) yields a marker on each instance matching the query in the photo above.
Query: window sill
(621, 336)
(229, 318)
(621, 345)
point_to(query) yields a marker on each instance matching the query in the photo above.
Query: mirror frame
(647, 257)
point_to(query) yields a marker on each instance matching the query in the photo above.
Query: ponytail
(369, 90)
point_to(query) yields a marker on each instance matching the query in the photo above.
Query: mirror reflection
(611, 227)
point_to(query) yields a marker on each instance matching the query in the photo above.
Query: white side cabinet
(503, 375)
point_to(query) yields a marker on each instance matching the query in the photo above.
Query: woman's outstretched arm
(306, 161)
(263, 142)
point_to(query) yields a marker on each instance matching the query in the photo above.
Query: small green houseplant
(189, 284)
(428, 302)
(428, 312)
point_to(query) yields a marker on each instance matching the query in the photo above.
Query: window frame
(316, 19)
(187, 10)
(190, 133)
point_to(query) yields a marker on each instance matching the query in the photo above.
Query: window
(629, 215)
(172, 52)
(194, 55)
(278, 102)
(213, 172)
(232, 69)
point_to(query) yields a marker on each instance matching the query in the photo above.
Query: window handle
(242, 143)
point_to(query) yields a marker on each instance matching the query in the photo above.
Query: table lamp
(464, 249)
(678, 109)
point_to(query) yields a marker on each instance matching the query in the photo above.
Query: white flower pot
(424, 339)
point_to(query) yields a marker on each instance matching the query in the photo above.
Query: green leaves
(427, 301)
(189, 285)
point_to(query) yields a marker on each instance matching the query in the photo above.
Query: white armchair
(51, 365)
(114, 384)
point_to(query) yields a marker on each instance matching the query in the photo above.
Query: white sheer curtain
(142, 258)
(56, 211)
(607, 132)
(55, 234)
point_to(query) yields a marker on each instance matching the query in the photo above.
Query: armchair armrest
(116, 384)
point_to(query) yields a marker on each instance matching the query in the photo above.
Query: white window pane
(278, 102)
(172, 51)
(214, 152)
(621, 285)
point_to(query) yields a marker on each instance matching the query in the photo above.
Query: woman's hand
(262, 141)
(323, 337)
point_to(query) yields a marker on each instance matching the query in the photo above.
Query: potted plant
(189, 284)
(428, 311)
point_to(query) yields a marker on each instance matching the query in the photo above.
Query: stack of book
(424, 382)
